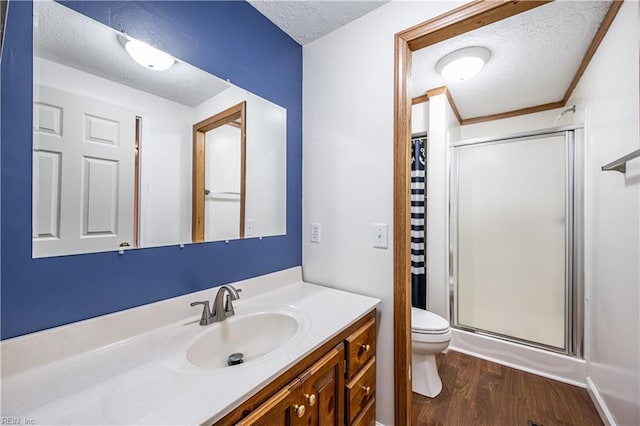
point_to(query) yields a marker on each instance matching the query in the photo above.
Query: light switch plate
(249, 230)
(380, 235)
(315, 233)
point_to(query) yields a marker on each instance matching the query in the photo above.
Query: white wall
(348, 163)
(607, 96)
(165, 200)
(519, 124)
(443, 130)
(266, 168)
(420, 117)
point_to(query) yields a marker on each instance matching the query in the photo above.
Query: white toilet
(430, 334)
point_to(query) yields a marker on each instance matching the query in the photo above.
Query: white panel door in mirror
(83, 174)
(222, 182)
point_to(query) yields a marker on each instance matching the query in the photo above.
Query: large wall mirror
(133, 148)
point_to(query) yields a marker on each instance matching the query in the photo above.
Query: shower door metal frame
(574, 235)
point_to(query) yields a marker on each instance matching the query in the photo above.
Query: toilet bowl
(430, 334)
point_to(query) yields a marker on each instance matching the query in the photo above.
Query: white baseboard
(379, 424)
(598, 401)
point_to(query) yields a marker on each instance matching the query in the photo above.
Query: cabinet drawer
(368, 415)
(360, 390)
(360, 346)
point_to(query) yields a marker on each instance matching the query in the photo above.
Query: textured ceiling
(307, 20)
(64, 36)
(534, 57)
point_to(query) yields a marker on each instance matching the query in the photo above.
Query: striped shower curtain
(418, 221)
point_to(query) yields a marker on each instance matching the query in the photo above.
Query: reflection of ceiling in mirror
(534, 57)
(309, 20)
(67, 37)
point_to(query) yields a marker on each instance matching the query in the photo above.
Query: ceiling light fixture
(145, 55)
(463, 64)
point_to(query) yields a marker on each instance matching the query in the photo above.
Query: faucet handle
(206, 312)
(234, 292)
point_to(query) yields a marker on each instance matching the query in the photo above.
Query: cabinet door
(282, 409)
(323, 390)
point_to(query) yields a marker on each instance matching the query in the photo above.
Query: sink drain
(235, 359)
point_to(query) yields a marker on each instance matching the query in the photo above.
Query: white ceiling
(535, 54)
(307, 20)
(69, 38)
(64, 36)
(534, 57)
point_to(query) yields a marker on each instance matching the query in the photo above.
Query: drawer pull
(299, 409)
(310, 398)
(367, 389)
(365, 347)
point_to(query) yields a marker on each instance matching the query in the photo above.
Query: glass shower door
(511, 238)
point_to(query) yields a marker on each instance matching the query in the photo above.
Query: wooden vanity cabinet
(281, 409)
(360, 385)
(333, 386)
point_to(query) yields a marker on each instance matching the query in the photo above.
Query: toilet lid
(427, 322)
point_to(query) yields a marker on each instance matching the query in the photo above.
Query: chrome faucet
(222, 307)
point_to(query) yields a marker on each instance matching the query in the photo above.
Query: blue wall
(229, 39)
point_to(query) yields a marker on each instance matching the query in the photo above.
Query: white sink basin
(254, 335)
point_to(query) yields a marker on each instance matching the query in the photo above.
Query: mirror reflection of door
(222, 183)
(83, 168)
(219, 148)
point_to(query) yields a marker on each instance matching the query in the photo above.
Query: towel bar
(620, 165)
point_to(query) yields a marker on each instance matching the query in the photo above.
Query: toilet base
(424, 375)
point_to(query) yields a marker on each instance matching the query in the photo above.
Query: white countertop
(147, 379)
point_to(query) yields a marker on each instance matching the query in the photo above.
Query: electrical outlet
(249, 231)
(380, 235)
(315, 232)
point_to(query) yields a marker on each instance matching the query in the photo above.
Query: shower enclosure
(516, 238)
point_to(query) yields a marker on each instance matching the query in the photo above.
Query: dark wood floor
(478, 392)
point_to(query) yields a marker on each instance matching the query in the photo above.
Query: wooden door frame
(229, 116)
(136, 183)
(466, 18)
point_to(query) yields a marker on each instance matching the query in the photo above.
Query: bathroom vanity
(309, 359)
(335, 385)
